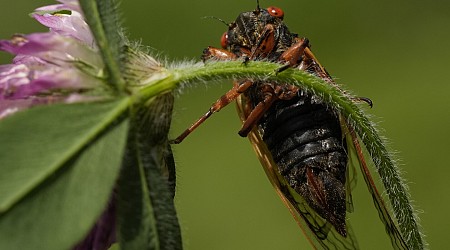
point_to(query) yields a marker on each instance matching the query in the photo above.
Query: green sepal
(147, 217)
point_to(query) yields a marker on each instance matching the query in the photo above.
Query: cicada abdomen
(314, 155)
(305, 139)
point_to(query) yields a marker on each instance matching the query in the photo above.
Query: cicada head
(246, 31)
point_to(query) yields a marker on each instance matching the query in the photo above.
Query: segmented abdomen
(305, 140)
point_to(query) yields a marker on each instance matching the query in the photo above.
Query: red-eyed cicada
(303, 144)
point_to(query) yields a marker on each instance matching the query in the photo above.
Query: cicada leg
(265, 43)
(219, 54)
(363, 99)
(256, 114)
(294, 54)
(271, 93)
(223, 101)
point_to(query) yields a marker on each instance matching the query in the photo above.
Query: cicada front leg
(231, 95)
(265, 43)
(256, 114)
(270, 93)
(218, 54)
(294, 54)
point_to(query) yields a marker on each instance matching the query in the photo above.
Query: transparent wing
(320, 233)
(358, 150)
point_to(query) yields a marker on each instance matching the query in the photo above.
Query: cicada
(303, 144)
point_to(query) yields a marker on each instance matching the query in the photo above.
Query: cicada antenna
(213, 17)
(258, 10)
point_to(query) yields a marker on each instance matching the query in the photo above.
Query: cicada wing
(320, 233)
(350, 185)
(358, 150)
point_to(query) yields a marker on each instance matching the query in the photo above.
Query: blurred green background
(395, 52)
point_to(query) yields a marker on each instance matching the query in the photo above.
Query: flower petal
(62, 65)
(9, 107)
(72, 25)
(51, 47)
(64, 5)
(19, 81)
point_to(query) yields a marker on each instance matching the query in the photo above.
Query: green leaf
(147, 217)
(37, 142)
(59, 164)
(102, 19)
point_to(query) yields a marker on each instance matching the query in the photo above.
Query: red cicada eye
(224, 40)
(276, 12)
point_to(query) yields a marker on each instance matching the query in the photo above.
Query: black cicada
(303, 144)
